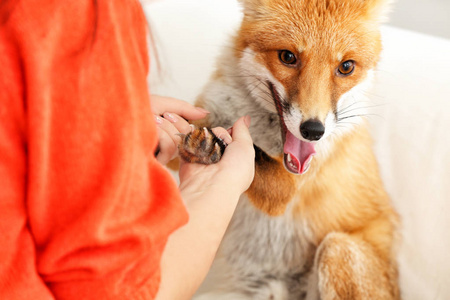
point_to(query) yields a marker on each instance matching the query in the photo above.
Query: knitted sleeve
(85, 209)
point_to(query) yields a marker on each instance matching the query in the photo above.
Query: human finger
(166, 147)
(169, 138)
(239, 157)
(161, 104)
(242, 146)
(223, 134)
(240, 130)
(178, 122)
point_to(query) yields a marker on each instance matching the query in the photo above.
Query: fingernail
(226, 138)
(170, 117)
(158, 120)
(202, 110)
(247, 121)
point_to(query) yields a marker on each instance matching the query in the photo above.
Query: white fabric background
(410, 123)
(413, 149)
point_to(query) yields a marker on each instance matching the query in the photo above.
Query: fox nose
(312, 130)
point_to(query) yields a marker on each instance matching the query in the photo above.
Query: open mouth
(298, 154)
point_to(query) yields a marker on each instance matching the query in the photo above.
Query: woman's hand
(171, 117)
(211, 193)
(234, 172)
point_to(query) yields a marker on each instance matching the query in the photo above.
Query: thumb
(240, 130)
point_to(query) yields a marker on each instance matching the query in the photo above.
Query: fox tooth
(307, 164)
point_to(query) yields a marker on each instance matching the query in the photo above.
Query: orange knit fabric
(85, 209)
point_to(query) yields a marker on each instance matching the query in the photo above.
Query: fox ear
(253, 8)
(378, 10)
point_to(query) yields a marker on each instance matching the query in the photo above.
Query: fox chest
(263, 246)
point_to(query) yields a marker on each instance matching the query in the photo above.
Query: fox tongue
(297, 154)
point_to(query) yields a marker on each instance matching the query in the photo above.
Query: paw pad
(201, 146)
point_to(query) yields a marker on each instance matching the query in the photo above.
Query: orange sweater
(85, 209)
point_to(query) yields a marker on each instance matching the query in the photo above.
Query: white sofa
(411, 121)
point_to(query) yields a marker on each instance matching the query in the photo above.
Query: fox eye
(287, 57)
(346, 68)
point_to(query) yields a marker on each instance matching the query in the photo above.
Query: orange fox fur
(339, 215)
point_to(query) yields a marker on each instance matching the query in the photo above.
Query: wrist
(193, 191)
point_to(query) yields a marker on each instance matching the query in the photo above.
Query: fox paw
(201, 146)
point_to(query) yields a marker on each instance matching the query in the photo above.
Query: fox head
(309, 60)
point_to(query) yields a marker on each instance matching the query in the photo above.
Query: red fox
(316, 222)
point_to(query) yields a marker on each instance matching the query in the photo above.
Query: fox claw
(201, 146)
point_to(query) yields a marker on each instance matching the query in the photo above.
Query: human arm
(211, 194)
(86, 208)
(19, 278)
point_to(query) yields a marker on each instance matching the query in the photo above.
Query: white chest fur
(262, 257)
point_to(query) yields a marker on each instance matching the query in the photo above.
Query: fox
(316, 222)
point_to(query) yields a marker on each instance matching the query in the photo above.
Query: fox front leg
(349, 268)
(273, 187)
